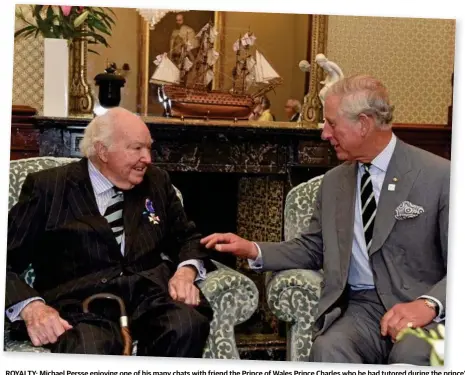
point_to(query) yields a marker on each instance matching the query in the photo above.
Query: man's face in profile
(179, 20)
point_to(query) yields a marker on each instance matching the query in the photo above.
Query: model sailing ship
(184, 88)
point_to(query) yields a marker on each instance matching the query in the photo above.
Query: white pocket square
(408, 210)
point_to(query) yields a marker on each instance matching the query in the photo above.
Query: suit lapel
(82, 202)
(401, 175)
(345, 211)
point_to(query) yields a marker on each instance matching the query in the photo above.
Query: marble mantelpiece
(208, 146)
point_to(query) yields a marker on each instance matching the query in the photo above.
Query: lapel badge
(150, 212)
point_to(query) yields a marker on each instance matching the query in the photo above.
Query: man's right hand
(231, 243)
(43, 323)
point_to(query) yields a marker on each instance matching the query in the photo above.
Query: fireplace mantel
(236, 147)
(207, 146)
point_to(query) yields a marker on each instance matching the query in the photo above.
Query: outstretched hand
(231, 243)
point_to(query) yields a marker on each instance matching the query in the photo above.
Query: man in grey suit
(379, 231)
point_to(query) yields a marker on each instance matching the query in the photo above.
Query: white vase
(56, 77)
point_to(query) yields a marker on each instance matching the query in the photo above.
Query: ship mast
(201, 60)
(234, 72)
(245, 69)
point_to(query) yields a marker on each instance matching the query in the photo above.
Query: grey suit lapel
(399, 168)
(345, 213)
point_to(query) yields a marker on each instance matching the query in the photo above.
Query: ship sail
(166, 72)
(264, 72)
(184, 87)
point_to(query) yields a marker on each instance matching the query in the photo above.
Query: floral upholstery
(233, 296)
(293, 295)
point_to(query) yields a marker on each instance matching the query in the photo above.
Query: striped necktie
(368, 205)
(114, 214)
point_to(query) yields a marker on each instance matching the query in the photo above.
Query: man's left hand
(406, 315)
(181, 286)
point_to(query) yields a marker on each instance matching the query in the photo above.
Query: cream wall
(123, 49)
(414, 58)
(282, 39)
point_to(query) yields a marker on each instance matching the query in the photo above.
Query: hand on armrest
(44, 324)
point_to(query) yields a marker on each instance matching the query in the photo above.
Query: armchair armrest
(234, 298)
(292, 296)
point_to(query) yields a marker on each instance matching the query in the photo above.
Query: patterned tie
(114, 214)
(368, 205)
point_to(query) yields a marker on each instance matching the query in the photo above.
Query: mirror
(275, 52)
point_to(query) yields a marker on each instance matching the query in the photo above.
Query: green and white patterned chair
(293, 295)
(233, 296)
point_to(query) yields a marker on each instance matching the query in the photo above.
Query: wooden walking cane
(125, 333)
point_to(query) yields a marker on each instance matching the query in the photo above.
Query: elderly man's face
(179, 19)
(128, 156)
(289, 109)
(343, 134)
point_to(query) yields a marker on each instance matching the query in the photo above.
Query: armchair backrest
(298, 208)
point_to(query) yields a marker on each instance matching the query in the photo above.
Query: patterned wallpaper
(28, 70)
(413, 57)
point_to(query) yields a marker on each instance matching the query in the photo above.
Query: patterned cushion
(293, 295)
(233, 296)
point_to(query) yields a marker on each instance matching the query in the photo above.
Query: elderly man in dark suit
(379, 232)
(111, 222)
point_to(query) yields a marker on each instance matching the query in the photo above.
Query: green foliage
(432, 337)
(63, 22)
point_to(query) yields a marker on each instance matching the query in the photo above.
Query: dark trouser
(161, 326)
(355, 337)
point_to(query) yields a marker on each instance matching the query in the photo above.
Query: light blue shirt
(103, 190)
(360, 272)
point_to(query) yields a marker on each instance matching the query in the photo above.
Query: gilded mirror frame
(317, 40)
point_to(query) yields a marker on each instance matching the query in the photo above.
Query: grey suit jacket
(408, 257)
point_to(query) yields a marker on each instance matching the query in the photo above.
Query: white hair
(363, 94)
(295, 104)
(100, 129)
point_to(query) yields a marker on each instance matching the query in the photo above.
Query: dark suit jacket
(408, 257)
(57, 227)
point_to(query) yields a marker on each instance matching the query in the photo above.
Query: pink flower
(66, 10)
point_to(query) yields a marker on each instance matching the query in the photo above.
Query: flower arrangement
(435, 339)
(65, 22)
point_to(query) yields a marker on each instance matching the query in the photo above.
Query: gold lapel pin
(395, 179)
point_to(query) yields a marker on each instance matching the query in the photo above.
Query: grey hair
(100, 129)
(363, 94)
(296, 106)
